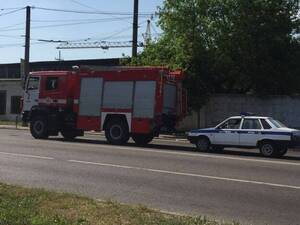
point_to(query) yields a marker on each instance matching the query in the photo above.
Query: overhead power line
(83, 20)
(84, 5)
(9, 26)
(11, 12)
(91, 12)
(5, 9)
(93, 8)
(11, 36)
(55, 25)
(22, 44)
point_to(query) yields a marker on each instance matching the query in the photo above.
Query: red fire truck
(137, 102)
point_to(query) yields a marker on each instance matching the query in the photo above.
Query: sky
(114, 25)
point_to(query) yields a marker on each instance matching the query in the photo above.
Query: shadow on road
(170, 147)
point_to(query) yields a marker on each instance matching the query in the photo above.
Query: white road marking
(27, 156)
(176, 153)
(186, 174)
(200, 155)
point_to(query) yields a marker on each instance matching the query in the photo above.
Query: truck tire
(39, 127)
(116, 132)
(142, 139)
(69, 134)
(268, 149)
(203, 144)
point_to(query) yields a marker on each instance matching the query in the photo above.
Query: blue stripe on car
(205, 131)
(242, 132)
(276, 133)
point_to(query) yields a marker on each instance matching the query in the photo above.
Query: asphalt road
(171, 176)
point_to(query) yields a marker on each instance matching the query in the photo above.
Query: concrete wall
(220, 107)
(12, 88)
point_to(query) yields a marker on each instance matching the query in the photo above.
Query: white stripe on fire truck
(51, 101)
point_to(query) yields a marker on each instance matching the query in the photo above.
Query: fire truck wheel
(69, 134)
(116, 132)
(142, 139)
(39, 127)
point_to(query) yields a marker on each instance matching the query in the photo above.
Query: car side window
(265, 124)
(251, 124)
(51, 83)
(231, 124)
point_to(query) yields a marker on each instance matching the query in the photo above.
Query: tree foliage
(229, 46)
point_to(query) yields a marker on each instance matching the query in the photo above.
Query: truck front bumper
(25, 117)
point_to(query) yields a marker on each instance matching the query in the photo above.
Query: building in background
(11, 85)
(10, 98)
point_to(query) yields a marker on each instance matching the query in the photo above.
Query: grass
(22, 206)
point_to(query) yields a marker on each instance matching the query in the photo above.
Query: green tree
(229, 46)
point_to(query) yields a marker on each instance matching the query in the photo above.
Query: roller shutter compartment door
(90, 96)
(118, 95)
(144, 99)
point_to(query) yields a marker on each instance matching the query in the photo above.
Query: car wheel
(203, 144)
(39, 127)
(281, 152)
(217, 148)
(267, 149)
(116, 132)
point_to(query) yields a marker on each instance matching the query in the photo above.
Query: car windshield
(276, 123)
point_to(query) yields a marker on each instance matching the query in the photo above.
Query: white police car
(269, 135)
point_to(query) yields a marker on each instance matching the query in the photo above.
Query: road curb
(13, 127)
(161, 137)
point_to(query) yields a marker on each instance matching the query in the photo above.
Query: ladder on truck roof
(120, 68)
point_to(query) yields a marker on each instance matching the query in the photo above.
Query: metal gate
(2, 102)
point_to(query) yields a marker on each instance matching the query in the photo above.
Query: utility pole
(27, 43)
(135, 28)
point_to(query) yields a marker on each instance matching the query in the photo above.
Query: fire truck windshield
(33, 83)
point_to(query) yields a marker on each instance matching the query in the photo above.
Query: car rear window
(276, 123)
(265, 124)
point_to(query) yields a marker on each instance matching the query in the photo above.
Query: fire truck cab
(137, 102)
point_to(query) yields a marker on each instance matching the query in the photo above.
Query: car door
(228, 132)
(250, 132)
